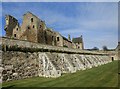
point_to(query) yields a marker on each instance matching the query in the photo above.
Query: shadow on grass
(8, 87)
(12, 87)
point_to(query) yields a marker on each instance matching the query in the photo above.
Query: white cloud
(103, 24)
(91, 19)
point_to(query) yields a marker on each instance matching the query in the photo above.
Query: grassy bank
(102, 76)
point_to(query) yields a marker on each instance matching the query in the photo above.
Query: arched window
(17, 29)
(57, 38)
(31, 19)
(28, 27)
(14, 35)
(33, 26)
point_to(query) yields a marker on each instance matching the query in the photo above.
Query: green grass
(102, 76)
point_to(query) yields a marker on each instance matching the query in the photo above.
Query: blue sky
(96, 21)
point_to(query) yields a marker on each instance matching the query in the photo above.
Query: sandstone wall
(26, 44)
(18, 65)
(11, 23)
(49, 61)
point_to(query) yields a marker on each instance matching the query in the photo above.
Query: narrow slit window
(57, 38)
(52, 38)
(31, 19)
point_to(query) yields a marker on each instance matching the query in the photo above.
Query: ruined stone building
(20, 59)
(34, 29)
(78, 42)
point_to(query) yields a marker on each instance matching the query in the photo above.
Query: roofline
(32, 14)
(10, 16)
(66, 39)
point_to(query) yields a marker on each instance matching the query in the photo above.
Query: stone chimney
(69, 37)
(82, 42)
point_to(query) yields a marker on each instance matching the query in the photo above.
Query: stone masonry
(18, 65)
(34, 29)
(33, 49)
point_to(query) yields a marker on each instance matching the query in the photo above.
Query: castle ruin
(33, 49)
(34, 29)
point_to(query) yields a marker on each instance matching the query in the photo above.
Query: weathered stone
(5, 77)
(47, 64)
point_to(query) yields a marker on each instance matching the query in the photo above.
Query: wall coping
(23, 43)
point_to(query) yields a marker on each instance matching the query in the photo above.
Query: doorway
(112, 58)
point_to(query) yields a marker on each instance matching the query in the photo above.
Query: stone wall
(11, 23)
(30, 28)
(48, 61)
(50, 37)
(25, 44)
(18, 65)
(67, 43)
(34, 29)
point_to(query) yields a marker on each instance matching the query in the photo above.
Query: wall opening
(31, 19)
(14, 35)
(112, 58)
(57, 38)
(52, 38)
(28, 27)
(33, 26)
(17, 29)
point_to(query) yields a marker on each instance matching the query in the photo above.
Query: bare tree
(95, 48)
(105, 48)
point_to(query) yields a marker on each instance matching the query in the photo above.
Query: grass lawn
(102, 76)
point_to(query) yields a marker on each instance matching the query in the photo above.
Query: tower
(82, 44)
(11, 23)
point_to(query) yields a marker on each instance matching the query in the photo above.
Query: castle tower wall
(32, 28)
(11, 22)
